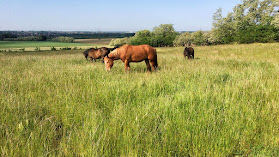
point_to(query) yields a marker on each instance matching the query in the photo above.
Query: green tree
(198, 38)
(255, 21)
(142, 37)
(163, 35)
(184, 39)
(223, 30)
(275, 21)
(251, 21)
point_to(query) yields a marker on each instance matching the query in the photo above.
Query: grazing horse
(88, 53)
(189, 52)
(99, 53)
(129, 53)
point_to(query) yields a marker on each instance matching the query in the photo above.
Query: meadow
(222, 103)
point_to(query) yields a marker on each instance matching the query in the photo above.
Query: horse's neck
(115, 55)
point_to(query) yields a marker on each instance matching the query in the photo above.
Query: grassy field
(223, 103)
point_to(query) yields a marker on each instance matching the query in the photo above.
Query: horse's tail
(156, 62)
(85, 53)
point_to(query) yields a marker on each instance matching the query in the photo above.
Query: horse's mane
(115, 47)
(115, 52)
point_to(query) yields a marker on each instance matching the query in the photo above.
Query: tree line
(41, 38)
(252, 21)
(53, 35)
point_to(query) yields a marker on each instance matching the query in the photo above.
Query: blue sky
(109, 15)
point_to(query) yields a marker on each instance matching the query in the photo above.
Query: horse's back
(94, 53)
(138, 53)
(146, 49)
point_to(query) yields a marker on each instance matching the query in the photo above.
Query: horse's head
(108, 63)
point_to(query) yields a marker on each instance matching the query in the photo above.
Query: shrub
(184, 39)
(120, 41)
(142, 37)
(198, 38)
(65, 48)
(37, 49)
(163, 35)
(63, 39)
(256, 33)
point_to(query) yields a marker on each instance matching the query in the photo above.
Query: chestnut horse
(99, 53)
(129, 53)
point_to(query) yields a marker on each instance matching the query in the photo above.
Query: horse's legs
(148, 65)
(127, 65)
(91, 59)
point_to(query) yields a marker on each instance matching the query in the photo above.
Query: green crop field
(225, 102)
(47, 45)
(26, 44)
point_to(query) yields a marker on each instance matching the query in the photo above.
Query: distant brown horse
(189, 52)
(99, 53)
(129, 53)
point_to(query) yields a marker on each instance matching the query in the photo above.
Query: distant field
(46, 45)
(25, 44)
(102, 41)
(225, 102)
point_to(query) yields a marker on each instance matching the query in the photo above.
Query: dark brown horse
(129, 53)
(99, 53)
(89, 51)
(189, 52)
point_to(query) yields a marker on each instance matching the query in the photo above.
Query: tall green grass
(223, 103)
